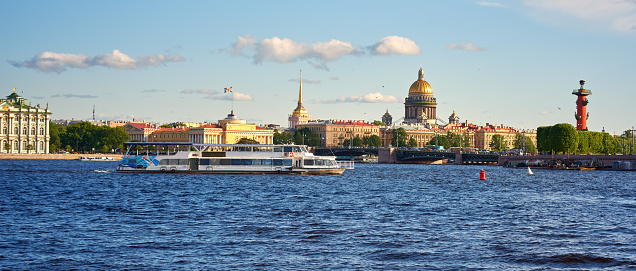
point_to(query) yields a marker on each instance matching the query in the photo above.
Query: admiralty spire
(300, 115)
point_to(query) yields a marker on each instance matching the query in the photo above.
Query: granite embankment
(53, 156)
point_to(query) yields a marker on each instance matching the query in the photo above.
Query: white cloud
(55, 62)
(464, 45)
(547, 112)
(228, 97)
(83, 96)
(367, 98)
(395, 45)
(619, 14)
(154, 90)
(284, 50)
(199, 91)
(490, 4)
(243, 42)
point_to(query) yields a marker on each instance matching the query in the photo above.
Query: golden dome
(421, 86)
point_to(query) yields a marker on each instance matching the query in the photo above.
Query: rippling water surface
(70, 214)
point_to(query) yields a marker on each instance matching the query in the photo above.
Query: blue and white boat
(173, 157)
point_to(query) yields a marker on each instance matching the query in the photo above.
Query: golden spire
(300, 92)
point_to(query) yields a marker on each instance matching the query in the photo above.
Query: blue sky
(503, 62)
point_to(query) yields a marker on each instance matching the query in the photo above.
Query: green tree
(584, 144)
(281, 138)
(55, 132)
(29, 148)
(379, 123)
(357, 142)
(609, 144)
(412, 142)
(7, 146)
(543, 139)
(497, 143)
(440, 140)
(399, 137)
(563, 138)
(374, 141)
(305, 136)
(246, 140)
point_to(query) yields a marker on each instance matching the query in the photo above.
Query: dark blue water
(61, 215)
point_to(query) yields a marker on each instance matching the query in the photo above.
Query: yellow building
(169, 135)
(300, 115)
(23, 128)
(139, 131)
(228, 131)
(334, 132)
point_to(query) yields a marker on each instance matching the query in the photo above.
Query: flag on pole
(228, 89)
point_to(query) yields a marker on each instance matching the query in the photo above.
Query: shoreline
(53, 156)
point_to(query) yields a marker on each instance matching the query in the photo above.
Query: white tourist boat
(171, 157)
(95, 158)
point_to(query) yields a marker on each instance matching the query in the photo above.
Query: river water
(61, 215)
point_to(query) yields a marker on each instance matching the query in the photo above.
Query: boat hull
(329, 171)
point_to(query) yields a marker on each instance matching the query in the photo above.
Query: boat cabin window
(308, 162)
(226, 162)
(278, 149)
(263, 149)
(132, 160)
(303, 149)
(266, 162)
(209, 162)
(297, 149)
(287, 162)
(287, 149)
(277, 162)
(163, 162)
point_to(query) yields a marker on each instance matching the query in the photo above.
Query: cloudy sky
(503, 62)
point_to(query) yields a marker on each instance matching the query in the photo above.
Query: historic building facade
(334, 132)
(23, 128)
(228, 131)
(300, 114)
(140, 131)
(420, 106)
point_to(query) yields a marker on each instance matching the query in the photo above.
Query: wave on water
(576, 260)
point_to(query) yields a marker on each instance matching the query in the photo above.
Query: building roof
(141, 125)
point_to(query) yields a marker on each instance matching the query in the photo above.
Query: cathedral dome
(421, 86)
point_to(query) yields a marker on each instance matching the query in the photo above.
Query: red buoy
(482, 175)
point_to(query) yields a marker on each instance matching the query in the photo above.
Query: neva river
(64, 215)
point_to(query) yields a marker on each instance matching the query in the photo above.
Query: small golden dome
(421, 86)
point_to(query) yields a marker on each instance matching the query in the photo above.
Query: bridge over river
(411, 155)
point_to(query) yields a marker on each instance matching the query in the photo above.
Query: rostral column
(581, 107)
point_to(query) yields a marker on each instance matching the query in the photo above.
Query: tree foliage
(523, 143)
(498, 142)
(307, 137)
(281, 138)
(84, 136)
(563, 138)
(399, 137)
(246, 140)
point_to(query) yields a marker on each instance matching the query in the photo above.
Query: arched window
(5, 130)
(42, 130)
(24, 130)
(15, 144)
(41, 144)
(33, 130)
(15, 130)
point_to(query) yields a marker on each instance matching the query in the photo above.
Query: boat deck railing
(349, 164)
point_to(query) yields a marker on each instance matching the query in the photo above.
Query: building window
(5, 130)
(42, 130)
(24, 130)
(15, 131)
(32, 130)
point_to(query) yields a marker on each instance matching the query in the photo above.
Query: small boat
(187, 157)
(95, 158)
(530, 171)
